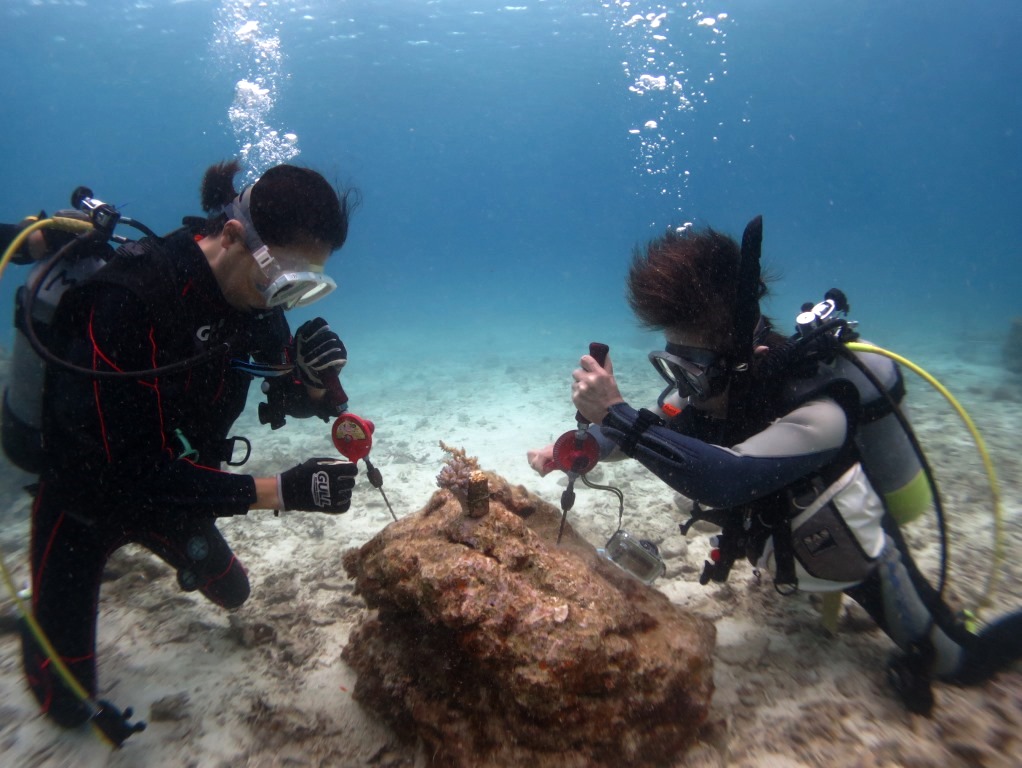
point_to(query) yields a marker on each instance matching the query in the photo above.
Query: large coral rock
(497, 647)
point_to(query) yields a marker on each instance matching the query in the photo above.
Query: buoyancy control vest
(21, 424)
(21, 429)
(825, 532)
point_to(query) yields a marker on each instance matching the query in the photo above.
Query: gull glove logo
(321, 489)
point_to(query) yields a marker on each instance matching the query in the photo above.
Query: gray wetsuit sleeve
(801, 441)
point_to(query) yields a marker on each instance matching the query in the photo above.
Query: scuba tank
(886, 452)
(887, 448)
(21, 425)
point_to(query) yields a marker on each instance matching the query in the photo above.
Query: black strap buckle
(229, 444)
(645, 420)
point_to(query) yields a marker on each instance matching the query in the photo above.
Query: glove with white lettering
(317, 485)
(317, 351)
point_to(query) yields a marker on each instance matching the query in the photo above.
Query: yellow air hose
(68, 225)
(57, 222)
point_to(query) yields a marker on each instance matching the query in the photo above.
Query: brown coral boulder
(497, 647)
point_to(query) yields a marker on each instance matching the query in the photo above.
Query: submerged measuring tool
(576, 452)
(353, 436)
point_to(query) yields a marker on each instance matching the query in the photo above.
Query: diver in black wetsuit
(796, 458)
(138, 459)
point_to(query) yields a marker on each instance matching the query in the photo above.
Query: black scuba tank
(21, 425)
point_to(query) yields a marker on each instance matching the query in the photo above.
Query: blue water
(502, 189)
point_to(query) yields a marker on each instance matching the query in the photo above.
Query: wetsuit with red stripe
(137, 460)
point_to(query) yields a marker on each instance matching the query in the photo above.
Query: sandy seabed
(265, 685)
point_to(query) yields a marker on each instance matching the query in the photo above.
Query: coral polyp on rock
(456, 474)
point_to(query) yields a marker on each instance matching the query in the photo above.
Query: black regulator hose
(40, 349)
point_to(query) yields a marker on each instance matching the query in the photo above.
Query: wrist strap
(645, 419)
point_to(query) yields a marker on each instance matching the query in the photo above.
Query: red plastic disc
(353, 436)
(574, 455)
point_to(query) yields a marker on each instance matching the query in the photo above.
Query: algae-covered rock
(498, 647)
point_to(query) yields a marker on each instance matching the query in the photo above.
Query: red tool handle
(335, 394)
(599, 351)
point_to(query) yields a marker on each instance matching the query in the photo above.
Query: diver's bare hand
(541, 459)
(595, 388)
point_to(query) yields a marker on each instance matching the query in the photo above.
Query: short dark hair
(290, 205)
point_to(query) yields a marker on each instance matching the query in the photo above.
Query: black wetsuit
(138, 460)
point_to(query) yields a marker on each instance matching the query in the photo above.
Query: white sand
(264, 685)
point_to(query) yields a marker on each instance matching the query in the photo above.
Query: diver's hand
(595, 388)
(34, 246)
(542, 459)
(317, 485)
(318, 350)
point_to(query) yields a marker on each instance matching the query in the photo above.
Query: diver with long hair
(797, 457)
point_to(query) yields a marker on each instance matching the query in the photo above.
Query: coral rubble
(496, 647)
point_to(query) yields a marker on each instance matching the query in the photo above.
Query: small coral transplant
(456, 474)
(462, 477)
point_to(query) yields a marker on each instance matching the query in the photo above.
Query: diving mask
(697, 373)
(290, 281)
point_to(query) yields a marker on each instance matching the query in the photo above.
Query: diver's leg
(998, 645)
(904, 604)
(67, 558)
(194, 547)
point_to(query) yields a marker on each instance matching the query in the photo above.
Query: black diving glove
(318, 350)
(317, 485)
